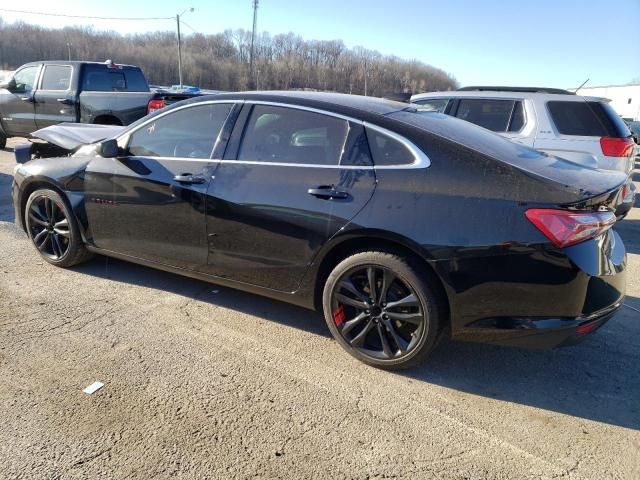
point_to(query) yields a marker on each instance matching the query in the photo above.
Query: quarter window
(288, 135)
(388, 151)
(493, 114)
(186, 133)
(56, 77)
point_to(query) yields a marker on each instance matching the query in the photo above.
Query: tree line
(222, 61)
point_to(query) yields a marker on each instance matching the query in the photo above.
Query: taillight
(566, 227)
(154, 105)
(616, 147)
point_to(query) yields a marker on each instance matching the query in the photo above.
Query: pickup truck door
(55, 101)
(151, 203)
(16, 105)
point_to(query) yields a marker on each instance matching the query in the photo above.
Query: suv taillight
(617, 147)
(154, 105)
(566, 227)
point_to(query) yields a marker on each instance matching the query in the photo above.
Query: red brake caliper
(338, 315)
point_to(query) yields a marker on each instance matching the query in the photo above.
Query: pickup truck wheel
(53, 229)
(3, 140)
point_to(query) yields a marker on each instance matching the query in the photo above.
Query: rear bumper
(541, 333)
(540, 298)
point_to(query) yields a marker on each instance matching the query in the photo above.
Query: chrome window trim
(421, 160)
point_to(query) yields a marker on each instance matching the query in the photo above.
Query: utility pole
(179, 44)
(365, 77)
(69, 49)
(253, 38)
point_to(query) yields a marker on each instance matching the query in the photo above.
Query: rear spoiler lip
(609, 199)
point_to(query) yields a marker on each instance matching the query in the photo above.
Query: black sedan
(400, 227)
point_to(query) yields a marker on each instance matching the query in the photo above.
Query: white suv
(584, 130)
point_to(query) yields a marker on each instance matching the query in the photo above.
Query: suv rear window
(591, 119)
(493, 114)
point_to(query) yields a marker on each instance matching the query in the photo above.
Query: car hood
(72, 135)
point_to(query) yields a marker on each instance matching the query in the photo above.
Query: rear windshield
(99, 78)
(593, 119)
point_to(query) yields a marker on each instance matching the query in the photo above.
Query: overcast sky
(557, 43)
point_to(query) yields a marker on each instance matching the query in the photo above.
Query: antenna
(253, 36)
(582, 85)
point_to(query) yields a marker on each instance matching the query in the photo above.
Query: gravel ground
(207, 382)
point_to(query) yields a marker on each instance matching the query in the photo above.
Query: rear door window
(288, 135)
(498, 115)
(583, 118)
(56, 77)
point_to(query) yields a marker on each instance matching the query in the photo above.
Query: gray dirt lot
(207, 382)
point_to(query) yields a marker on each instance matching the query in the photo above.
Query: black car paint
(24, 113)
(257, 229)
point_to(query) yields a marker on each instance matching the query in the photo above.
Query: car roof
(340, 103)
(506, 94)
(75, 62)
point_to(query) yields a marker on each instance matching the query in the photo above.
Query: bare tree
(221, 61)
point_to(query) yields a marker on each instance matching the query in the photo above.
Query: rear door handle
(26, 99)
(64, 101)
(188, 178)
(326, 191)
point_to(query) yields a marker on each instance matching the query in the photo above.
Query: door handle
(64, 101)
(26, 99)
(189, 178)
(328, 192)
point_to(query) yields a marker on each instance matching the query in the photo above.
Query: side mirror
(9, 84)
(109, 149)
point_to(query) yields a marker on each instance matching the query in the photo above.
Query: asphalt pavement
(202, 381)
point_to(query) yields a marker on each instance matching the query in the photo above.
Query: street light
(179, 46)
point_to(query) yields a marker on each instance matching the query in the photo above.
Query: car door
(54, 100)
(150, 202)
(291, 178)
(16, 105)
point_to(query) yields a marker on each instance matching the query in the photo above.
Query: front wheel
(3, 140)
(53, 229)
(382, 310)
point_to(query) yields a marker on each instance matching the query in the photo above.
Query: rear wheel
(3, 140)
(53, 229)
(382, 310)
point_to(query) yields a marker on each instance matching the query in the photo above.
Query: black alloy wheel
(381, 311)
(49, 228)
(53, 229)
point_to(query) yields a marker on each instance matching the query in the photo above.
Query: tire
(3, 140)
(405, 310)
(53, 229)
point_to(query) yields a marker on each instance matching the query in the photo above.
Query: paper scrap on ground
(94, 387)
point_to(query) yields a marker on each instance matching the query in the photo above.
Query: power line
(82, 16)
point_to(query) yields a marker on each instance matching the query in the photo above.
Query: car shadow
(263, 307)
(629, 230)
(596, 380)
